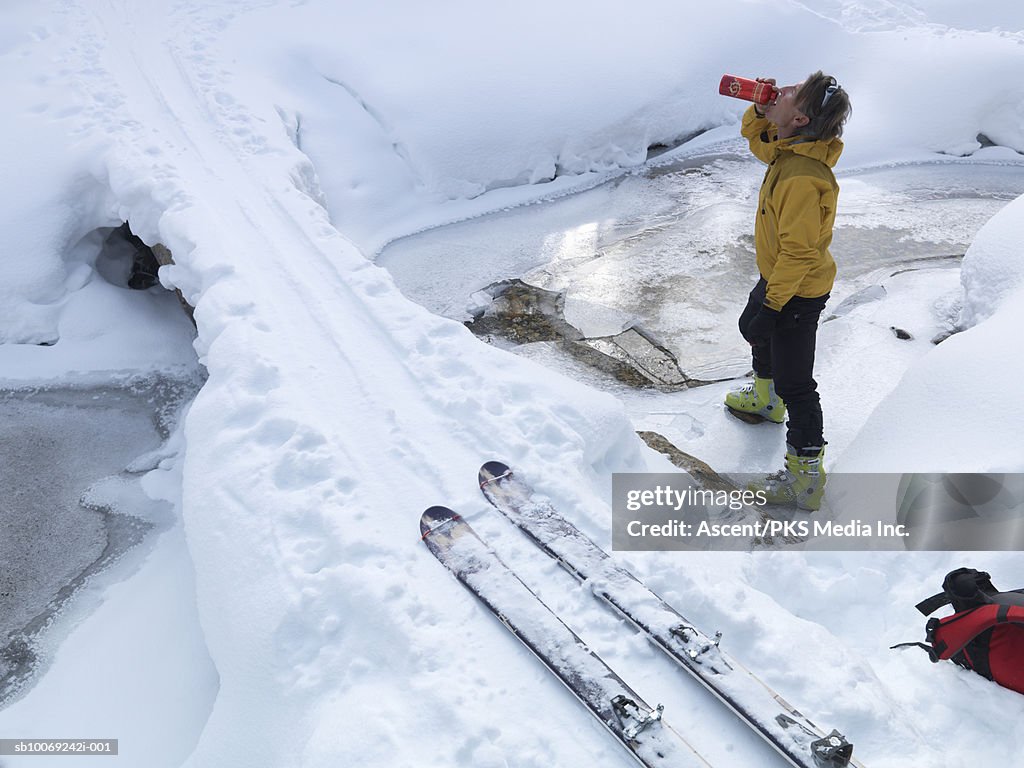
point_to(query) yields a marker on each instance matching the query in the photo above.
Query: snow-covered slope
(955, 410)
(274, 148)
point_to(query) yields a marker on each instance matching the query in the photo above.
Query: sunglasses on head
(832, 88)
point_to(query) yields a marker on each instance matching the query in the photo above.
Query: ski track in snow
(282, 535)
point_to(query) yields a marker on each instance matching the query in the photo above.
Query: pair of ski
(635, 724)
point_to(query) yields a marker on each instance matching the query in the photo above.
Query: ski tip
(492, 471)
(435, 517)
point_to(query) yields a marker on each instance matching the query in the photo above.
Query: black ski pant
(788, 358)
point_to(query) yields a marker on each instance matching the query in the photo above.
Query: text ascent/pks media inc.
(679, 529)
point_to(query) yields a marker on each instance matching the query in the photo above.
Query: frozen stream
(71, 464)
(670, 248)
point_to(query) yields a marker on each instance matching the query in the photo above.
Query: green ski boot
(802, 482)
(757, 400)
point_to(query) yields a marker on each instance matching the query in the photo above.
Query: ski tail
(637, 726)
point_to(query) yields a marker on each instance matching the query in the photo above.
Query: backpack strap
(923, 646)
(933, 603)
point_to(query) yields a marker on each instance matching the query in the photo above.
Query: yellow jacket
(796, 209)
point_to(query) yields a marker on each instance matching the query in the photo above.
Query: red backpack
(986, 632)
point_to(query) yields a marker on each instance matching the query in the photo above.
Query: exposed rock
(163, 258)
(146, 263)
(985, 141)
(523, 313)
(705, 476)
(900, 333)
(634, 357)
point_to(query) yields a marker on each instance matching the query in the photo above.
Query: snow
(993, 270)
(969, 378)
(289, 615)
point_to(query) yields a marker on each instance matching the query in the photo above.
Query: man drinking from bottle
(797, 135)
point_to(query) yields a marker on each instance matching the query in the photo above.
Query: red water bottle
(747, 89)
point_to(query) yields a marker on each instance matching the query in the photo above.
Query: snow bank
(334, 412)
(953, 411)
(441, 125)
(993, 267)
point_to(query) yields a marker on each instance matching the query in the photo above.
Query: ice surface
(71, 506)
(672, 250)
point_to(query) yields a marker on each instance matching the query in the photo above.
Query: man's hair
(827, 111)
